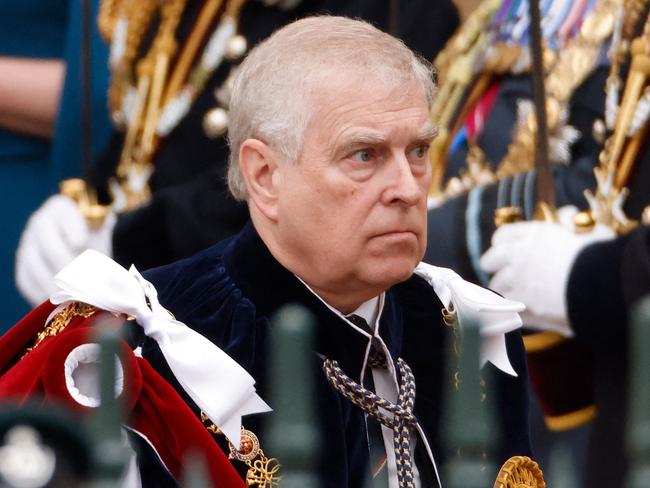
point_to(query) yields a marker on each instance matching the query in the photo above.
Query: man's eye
(364, 155)
(420, 151)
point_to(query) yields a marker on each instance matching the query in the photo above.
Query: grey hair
(272, 89)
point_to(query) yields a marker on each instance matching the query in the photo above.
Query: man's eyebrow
(356, 139)
(361, 139)
(428, 134)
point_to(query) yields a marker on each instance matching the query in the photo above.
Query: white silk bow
(216, 383)
(495, 314)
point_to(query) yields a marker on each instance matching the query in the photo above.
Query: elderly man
(329, 139)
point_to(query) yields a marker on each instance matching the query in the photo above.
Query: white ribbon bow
(495, 314)
(216, 383)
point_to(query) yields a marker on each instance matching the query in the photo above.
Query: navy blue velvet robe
(230, 291)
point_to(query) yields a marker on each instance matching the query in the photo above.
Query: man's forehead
(371, 106)
(379, 124)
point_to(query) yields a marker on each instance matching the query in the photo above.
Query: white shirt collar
(370, 310)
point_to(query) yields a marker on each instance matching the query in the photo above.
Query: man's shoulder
(417, 298)
(190, 277)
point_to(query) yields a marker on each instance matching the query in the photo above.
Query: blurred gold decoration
(461, 58)
(520, 472)
(150, 95)
(571, 69)
(620, 150)
(455, 66)
(507, 215)
(86, 199)
(583, 222)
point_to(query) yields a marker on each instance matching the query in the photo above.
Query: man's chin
(391, 272)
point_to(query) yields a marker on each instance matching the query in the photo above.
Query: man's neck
(344, 299)
(368, 310)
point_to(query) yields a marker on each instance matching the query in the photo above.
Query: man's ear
(258, 163)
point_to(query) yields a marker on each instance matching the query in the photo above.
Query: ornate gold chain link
(262, 471)
(61, 321)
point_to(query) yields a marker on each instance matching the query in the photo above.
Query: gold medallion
(520, 472)
(249, 447)
(261, 470)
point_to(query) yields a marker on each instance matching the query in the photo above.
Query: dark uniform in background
(605, 279)
(469, 223)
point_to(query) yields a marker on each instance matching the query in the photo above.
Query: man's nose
(405, 187)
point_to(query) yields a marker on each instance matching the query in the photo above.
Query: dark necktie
(377, 357)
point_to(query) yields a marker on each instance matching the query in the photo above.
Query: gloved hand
(54, 235)
(531, 262)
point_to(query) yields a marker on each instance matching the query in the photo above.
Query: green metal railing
(638, 432)
(466, 421)
(293, 435)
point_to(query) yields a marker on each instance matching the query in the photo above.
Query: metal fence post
(467, 418)
(293, 436)
(638, 429)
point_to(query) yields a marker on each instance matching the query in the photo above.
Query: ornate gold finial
(507, 215)
(520, 472)
(583, 222)
(86, 199)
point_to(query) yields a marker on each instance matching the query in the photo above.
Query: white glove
(531, 262)
(54, 235)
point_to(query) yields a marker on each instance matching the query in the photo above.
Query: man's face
(352, 210)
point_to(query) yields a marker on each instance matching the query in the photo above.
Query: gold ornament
(583, 222)
(61, 321)
(209, 425)
(262, 471)
(507, 215)
(620, 150)
(107, 17)
(564, 74)
(86, 199)
(578, 60)
(520, 472)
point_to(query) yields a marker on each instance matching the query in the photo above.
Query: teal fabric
(35, 29)
(67, 144)
(31, 167)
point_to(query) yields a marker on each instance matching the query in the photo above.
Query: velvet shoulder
(418, 301)
(200, 293)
